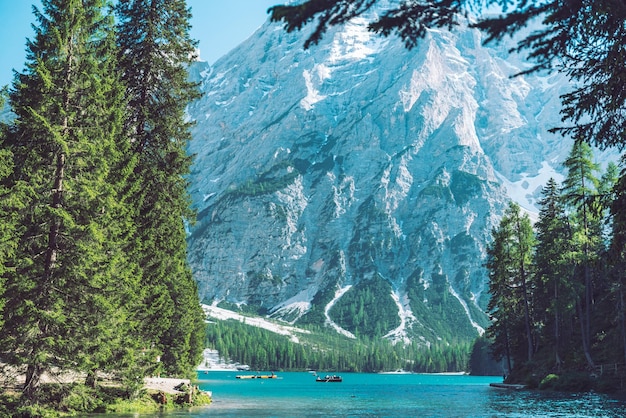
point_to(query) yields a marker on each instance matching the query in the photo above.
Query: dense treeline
(93, 271)
(265, 350)
(558, 288)
(367, 309)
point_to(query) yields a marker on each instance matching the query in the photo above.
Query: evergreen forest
(93, 272)
(557, 287)
(319, 349)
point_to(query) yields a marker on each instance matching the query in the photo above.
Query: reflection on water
(541, 404)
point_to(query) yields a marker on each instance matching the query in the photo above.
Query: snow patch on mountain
(313, 79)
(400, 334)
(296, 306)
(338, 294)
(213, 311)
(527, 190)
(479, 329)
(355, 43)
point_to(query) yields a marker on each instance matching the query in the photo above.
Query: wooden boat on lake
(256, 376)
(328, 378)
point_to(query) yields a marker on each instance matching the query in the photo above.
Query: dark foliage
(93, 274)
(574, 290)
(323, 349)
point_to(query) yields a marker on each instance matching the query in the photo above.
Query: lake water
(388, 395)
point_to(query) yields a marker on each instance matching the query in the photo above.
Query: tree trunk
(622, 325)
(508, 351)
(522, 271)
(586, 319)
(92, 379)
(529, 336)
(33, 377)
(55, 227)
(557, 328)
(59, 175)
(584, 337)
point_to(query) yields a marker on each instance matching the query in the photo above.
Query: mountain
(355, 184)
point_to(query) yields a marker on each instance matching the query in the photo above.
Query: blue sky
(219, 25)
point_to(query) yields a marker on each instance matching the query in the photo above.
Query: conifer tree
(617, 259)
(605, 197)
(554, 294)
(155, 51)
(509, 265)
(7, 209)
(502, 304)
(579, 191)
(604, 319)
(70, 280)
(525, 241)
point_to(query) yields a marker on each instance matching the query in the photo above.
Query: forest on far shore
(323, 349)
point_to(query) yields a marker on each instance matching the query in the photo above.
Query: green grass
(75, 399)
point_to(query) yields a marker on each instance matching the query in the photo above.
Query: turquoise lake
(388, 395)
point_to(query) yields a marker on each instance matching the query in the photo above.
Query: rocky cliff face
(320, 172)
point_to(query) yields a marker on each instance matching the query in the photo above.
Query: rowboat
(256, 376)
(328, 378)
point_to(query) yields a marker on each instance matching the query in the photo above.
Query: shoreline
(14, 379)
(165, 384)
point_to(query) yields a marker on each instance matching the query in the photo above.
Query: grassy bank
(75, 399)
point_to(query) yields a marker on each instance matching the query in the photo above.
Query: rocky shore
(165, 384)
(14, 379)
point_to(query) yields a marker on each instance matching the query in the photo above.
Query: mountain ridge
(357, 160)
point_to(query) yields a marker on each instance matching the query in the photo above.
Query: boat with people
(328, 378)
(257, 376)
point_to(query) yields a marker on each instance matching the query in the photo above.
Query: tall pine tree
(502, 307)
(554, 295)
(579, 192)
(617, 259)
(70, 281)
(509, 262)
(155, 51)
(8, 208)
